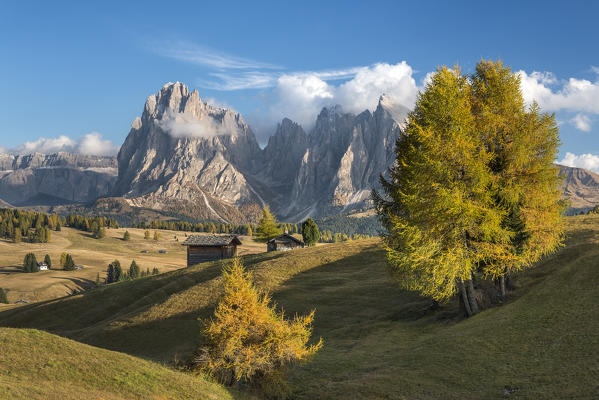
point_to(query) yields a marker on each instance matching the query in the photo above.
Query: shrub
(248, 341)
(3, 298)
(126, 235)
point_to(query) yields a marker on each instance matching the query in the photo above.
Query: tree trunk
(472, 297)
(465, 302)
(508, 282)
(502, 287)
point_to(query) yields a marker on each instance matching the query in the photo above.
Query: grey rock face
(184, 156)
(343, 161)
(39, 179)
(184, 151)
(580, 187)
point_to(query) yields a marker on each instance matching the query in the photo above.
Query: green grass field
(379, 342)
(39, 365)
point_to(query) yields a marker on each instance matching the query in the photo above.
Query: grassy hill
(94, 255)
(39, 365)
(379, 341)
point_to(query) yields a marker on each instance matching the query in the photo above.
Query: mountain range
(183, 156)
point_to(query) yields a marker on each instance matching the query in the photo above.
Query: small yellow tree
(248, 341)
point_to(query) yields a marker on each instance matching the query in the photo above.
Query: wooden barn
(283, 242)
(202, 248)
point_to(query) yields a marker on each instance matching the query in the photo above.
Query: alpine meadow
(325, 200)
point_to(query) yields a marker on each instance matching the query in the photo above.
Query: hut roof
(285, 237)
(211, 240)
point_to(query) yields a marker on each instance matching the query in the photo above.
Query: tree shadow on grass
(100, 316)
(82, 283)
(348, 295)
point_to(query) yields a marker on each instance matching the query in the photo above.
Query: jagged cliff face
(184, 155)
(342, 164)
(40, 179)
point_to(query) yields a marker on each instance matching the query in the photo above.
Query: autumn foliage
(248, 342)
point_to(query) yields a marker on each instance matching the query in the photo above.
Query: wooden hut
(283, 242)
(202, 248)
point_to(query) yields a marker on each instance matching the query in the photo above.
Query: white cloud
(90, 144)
(301, 96)
(581, 122)
(587, 161)
(46, 145)
(578, 95)
(186, 125)
(239, 80)
(363, 91)
(93, 144)
(201, 55)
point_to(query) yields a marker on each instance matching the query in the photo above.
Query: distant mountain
(51, 179)
(185, 157)
(581, 187)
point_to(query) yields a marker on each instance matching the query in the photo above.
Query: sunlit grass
(379, 341)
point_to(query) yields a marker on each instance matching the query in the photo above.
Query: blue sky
(83, 71)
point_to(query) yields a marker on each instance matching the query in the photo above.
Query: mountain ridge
(183, 156)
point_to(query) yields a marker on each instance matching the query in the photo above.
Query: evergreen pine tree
(30, 263)
(126, 236)
(69, 264)
(118, 271)
(147, 235)
(63, 259)
(155, 271)
(110, 274)
(134, 270)
(310, 232)
(48, 261)
(156, 235)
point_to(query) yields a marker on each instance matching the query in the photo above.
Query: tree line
(115, 272)
(18, 225)
(30, 263)
(36, 227)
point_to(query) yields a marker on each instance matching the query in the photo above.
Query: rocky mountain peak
(387, 104)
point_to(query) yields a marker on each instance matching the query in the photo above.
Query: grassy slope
(39, 365)
(94, 255)
(380, 342)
